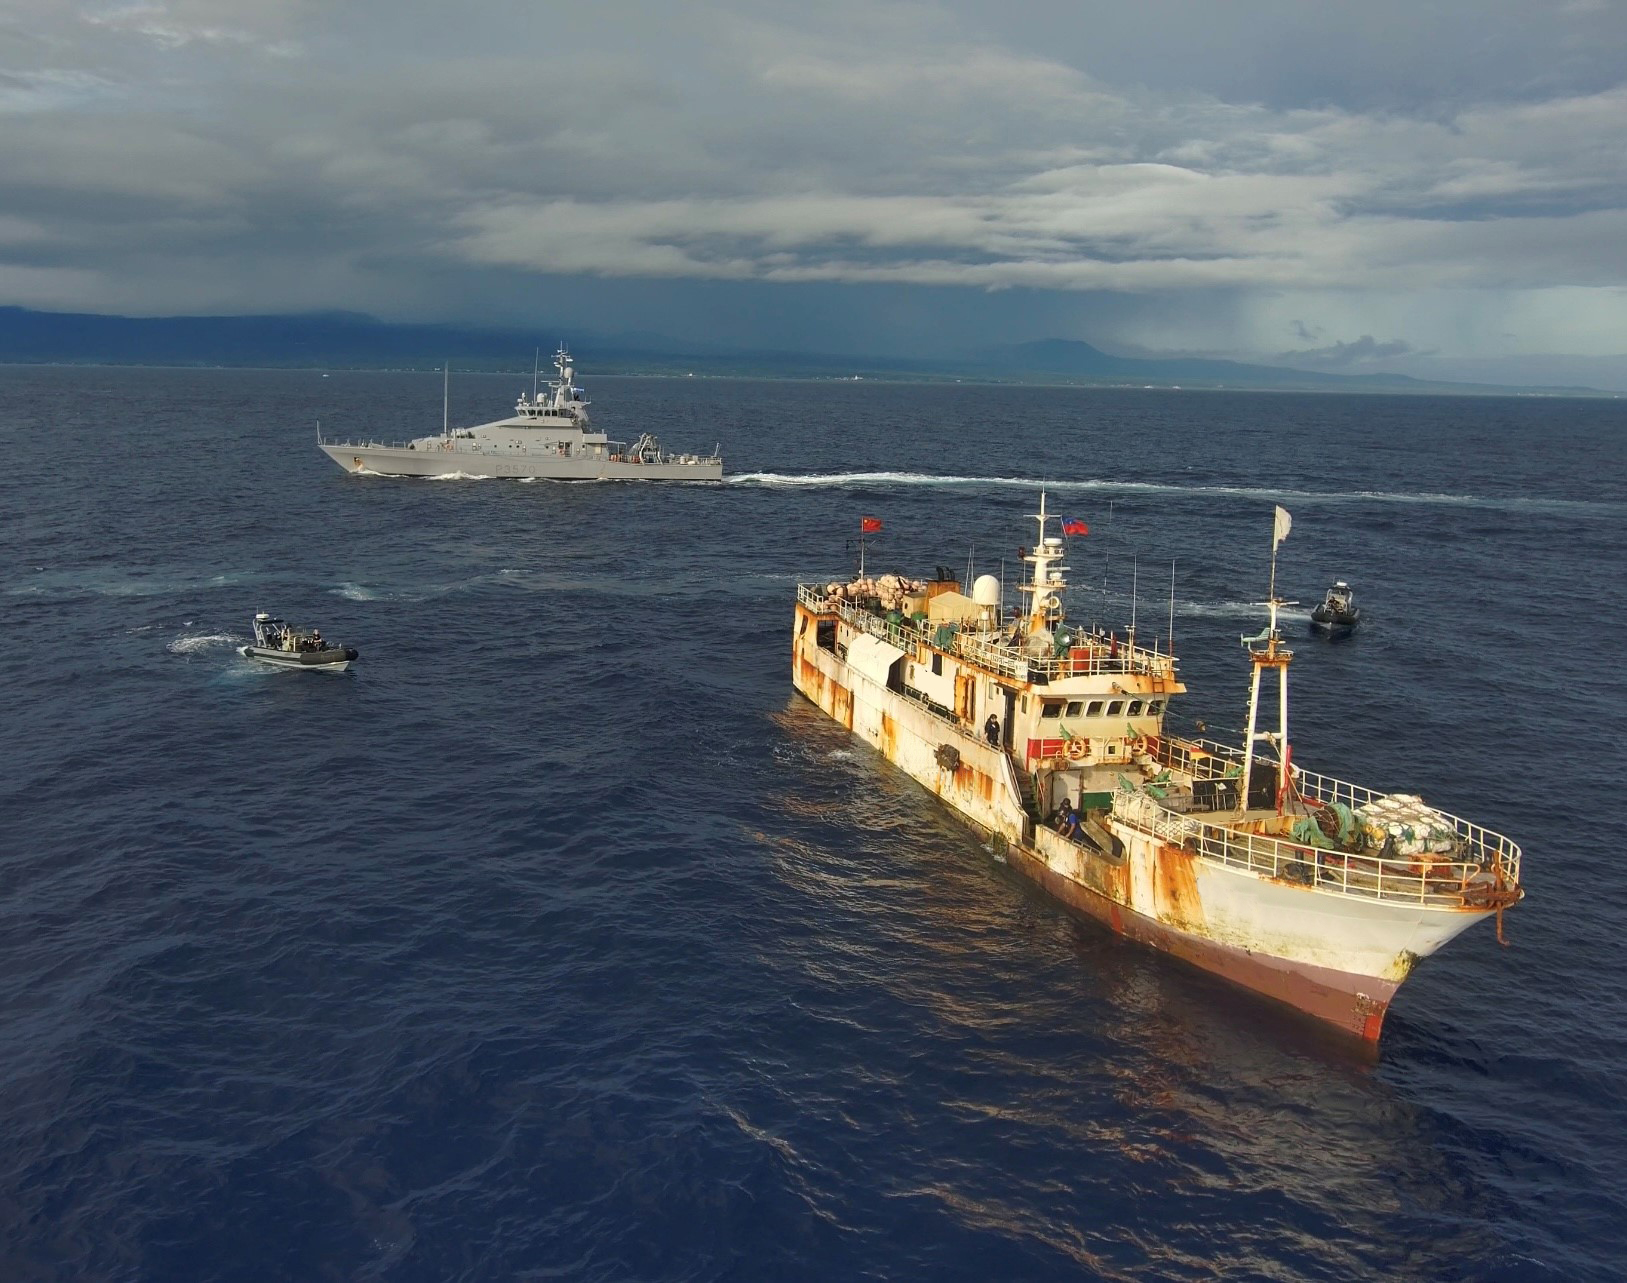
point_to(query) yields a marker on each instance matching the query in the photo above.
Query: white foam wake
(458, 476)
(859, 480)
(839, 479)
(193, 643)
(354, 592)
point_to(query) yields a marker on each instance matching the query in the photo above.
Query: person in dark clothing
(991, 731)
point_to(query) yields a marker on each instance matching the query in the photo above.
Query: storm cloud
(1230, 178)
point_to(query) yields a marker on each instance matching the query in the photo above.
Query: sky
(1434, 187)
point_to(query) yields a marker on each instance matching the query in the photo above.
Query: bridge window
(1115, 707)
(1134, 710)
(1094, 708)
(1051, 708)
(1154, 707)
(1074, 707)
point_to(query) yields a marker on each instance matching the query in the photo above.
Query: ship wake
(891, 480)
(200, 643)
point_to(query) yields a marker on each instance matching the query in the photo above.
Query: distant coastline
(350, 342)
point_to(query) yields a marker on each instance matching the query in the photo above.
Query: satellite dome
(986, 590)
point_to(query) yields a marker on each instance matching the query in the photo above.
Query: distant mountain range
(345, 340)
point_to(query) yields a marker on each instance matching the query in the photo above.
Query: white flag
(1279, 531)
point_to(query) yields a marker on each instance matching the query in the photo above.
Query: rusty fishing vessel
(1311, 890)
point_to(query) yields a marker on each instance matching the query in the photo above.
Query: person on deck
(991, 731)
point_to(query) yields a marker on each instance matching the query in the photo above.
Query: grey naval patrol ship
(548, 436)
(1051, 740)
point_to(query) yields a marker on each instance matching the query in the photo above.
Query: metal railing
(1483, 870)
(348, 444)
(1205, 759)
(1100, 656)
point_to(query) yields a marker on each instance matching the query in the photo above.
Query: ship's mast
(1266, 652)
(446, 399)
(561, 390)
(1045, 583)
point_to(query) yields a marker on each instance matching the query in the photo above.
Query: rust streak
(1175, 888)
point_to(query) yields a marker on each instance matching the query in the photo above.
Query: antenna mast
(1277, 656)
(1135, 592)
(446, 400)
(1172, 607)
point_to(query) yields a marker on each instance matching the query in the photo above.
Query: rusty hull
(1355, 1004)
(1160, 878)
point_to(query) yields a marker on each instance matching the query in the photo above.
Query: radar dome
(986, 590)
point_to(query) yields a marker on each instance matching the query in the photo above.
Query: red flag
(869, 525)
(1074, 526)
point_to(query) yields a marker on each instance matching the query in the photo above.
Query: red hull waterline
(1353, 1004)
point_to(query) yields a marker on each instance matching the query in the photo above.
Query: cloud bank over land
(1232, 179)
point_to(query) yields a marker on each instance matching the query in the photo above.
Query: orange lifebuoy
(1078, 749)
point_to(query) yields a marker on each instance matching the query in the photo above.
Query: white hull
(291, 661)
(1339, 957)
(400, 461)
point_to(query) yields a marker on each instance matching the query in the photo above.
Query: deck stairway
(1029, 787)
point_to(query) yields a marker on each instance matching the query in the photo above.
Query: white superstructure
(548, 436)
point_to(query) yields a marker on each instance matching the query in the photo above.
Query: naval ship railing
(359, 444)
(1482, 869)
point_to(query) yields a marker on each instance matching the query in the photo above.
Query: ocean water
(560, 939)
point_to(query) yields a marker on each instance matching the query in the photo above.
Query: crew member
(991, 731)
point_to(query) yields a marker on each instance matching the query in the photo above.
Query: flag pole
(1172, 607)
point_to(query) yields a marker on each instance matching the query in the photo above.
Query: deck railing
(1483, 868)
(1097, 655)
(348, 444)
(1205, 759)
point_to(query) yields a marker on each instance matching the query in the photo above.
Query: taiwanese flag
(1073, 526)
(869, 525)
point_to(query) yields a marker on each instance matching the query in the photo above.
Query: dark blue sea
(559, 939)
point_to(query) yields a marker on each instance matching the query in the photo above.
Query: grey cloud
(1343, 355)
(165, 157)
(1378, 56)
